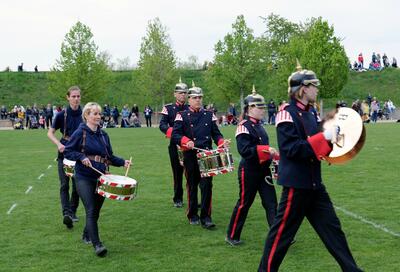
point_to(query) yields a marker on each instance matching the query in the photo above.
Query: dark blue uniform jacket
(96, 143)
(249, 135)
(301, 147)
(74, 118)
(168, 117)
(198, 126)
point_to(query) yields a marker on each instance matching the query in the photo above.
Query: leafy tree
(80, 64)
(157, 73)
(235, 64)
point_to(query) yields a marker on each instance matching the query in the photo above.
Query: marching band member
(166, 126)
(67, 121)
(196, 128)
(253, 146)
(90, 147)
(301, 147)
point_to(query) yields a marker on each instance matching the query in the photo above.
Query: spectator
(365, 111)
(36, 69)
(134, 120)
(125, 113)
(3, 112)
(147, 114)
(28, 115)
(232, 110)
(49, 116)
(385, 61)
(135, 110)
(378, 59)
(115, 115)
(271, 112)
(374, 110)
(361, 60)
(369, 99)
(394, 63)
(373, 57)
(21, 67)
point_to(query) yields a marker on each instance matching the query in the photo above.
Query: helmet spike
(180, 79)
(298, 65)
(254, 90)
(193, 85)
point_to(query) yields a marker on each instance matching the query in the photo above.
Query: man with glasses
(195, 129)
(301, 147)
(67, 121)
(169, 112)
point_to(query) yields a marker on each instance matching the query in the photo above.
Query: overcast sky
(32, 31)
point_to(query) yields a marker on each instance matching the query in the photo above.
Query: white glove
(331, 134)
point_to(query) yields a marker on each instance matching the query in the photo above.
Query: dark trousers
(251, 182)
(49, 121)
(93, 203)
(316, 206)
(69, 204)
(148, 121)
(194, 180)
(177, 171)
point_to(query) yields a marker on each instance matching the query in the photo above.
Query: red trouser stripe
(240, 206)
(280, 230)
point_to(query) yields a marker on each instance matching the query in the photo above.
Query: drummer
(90, 147)
(196, 128)
(301, 147)
(67, 121)
(169, 112)
(253, 146)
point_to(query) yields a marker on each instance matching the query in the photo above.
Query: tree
(236, 59)
(318, 50)
(157, 73)
(80, 64)
(192, 63)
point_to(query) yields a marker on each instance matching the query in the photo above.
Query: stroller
(33, 122)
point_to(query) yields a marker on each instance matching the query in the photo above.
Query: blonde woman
(90, 147)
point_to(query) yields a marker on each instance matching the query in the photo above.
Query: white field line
(29, 189)
(369, 222)
(48, 167)
(41, 175)
(12, 208)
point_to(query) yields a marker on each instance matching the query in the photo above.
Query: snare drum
(69, 167)
(117, 187)
(214, 162)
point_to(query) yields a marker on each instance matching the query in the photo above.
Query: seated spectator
(134, 121)
(394, 63)
(3, 112)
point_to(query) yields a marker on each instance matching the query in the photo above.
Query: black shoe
(86, 240)
(100, 250)
(178, 204)
(67, 220)
(194, 220)
(232, 242)
(75, 218)
(207, 224)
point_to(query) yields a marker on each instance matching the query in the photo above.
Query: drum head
(68, 162)
(351, 136)
(119, 181)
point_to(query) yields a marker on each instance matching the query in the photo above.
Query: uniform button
(194, 139)
(206, 137)
(206, 124)
(313, 184)
(204, 113)
(191, 125)
(174, 107)
(311, 160)
(188, 114)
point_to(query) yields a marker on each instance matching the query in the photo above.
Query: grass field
(148, 234)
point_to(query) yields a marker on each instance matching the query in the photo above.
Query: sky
(32, 31)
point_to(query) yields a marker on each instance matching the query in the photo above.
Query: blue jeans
(93, 203)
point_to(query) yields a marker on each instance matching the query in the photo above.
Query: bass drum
(351, 135)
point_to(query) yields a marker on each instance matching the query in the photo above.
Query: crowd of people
(377, 63)
(371, 109)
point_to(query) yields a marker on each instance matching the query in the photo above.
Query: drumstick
(96, 170)
(127, 169)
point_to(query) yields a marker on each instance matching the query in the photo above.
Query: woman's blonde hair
(90, 106)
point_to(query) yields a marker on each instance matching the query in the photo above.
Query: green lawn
(148, 234)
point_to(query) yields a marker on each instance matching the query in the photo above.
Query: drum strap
(65, 125)
(83, 141)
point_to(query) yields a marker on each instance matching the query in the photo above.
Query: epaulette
(164, 110)
(178, 117)
(283, 116)
(241, 129)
